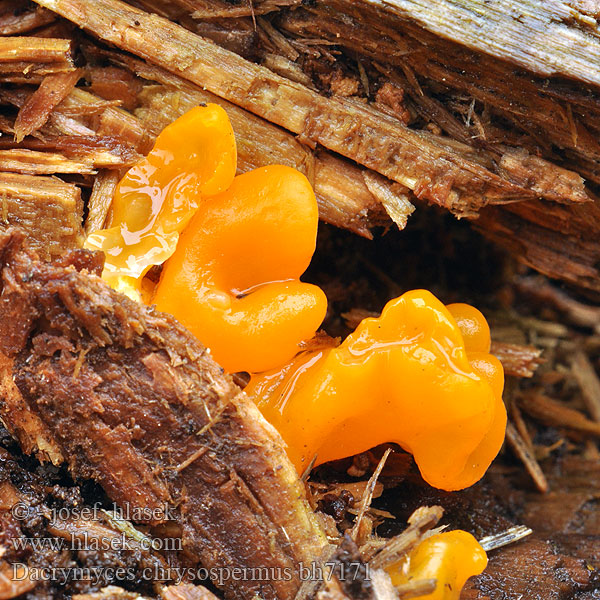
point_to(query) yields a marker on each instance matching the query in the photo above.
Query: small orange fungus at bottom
(450, 558)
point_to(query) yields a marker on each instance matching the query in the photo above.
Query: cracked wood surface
(437, 169)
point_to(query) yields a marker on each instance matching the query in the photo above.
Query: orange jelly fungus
(234, 279)
(192, 159)
(412, 376)
(450, 558)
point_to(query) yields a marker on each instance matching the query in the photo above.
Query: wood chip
(116, 84)
(574, 311)
(111, 121)
(555, 414)
(421, 587)
(396, 203)
(588, 381)
(218, 9)
(524, 453)
(520, 424)
(50, 210)
(186, 592)
(111, 592)
(367, 496)
(278, 40)
(517, 360)
(100, 200)
(356, 488)
(332, 591)
(422, 520)
(41, 163)
(15, 580)
(14, 22)
(35, 49)
(37, 108)
(96, 150)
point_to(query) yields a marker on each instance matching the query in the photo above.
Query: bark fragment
(133, 401)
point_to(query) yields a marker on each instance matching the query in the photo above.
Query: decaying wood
(501, 105)
(558, 241)
(50, 210)
(521, 31)
(570, 508)
(574, 311)
(13, 21)
(186, 592)
(367, 498)
(522, 450)
(34, 50)
(86, 108)
(545, 109)
(115, 84)
(174, 432)
(41, 163)
(111, 592)
(397, 204)
(332, 591)
(411, 58)
(532, 568)
(531, 105)
(422, 587)
(386, 552)
(84, 115)
(94, 150)
(24, 58)
(589, 383)
(213, 10)
(14, 581)
(437, 169)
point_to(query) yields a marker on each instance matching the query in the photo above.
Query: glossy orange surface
(193, 158)
(450, 558)
(234, 278)
(410, 377)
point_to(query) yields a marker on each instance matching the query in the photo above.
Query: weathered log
(550, 112)
(560, 119)
(461, 176)
(437, 169)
